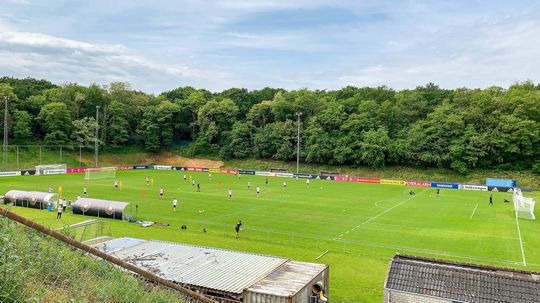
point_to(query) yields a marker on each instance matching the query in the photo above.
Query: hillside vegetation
(425, 127)
(37, 268)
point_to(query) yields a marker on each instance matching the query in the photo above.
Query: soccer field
(361, 225)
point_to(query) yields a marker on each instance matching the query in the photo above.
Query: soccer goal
(100, 173)
(524, 206)
(51, 169)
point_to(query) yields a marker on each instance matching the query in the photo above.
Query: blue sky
(160, 45)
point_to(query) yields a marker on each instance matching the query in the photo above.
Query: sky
(293, 44)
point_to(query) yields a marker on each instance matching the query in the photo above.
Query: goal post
(51, 169)
(524, 206)
(100, 173)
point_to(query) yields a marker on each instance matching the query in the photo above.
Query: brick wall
(391, 296)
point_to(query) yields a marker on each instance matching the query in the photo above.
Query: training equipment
(51, 169)
(100, 173)
(524, 206)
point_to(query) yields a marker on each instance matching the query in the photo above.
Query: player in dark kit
(238, 228)
(490, 199)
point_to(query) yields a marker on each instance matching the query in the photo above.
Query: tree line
(427, 126)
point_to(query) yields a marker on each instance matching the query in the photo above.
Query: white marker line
(521, 242)
(382, 213)
(474, 210)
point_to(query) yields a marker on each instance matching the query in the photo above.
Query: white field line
(474, 210)
(379, 214)
(365, 243)
(521, 242)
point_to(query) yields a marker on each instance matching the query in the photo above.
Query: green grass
(361, 225)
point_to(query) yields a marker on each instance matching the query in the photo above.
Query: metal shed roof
(211, 268)
(288, 279)
(461, 281)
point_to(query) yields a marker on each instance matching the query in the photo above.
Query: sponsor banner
(501, 182)
(205, 169)
(285, 175)
(227, 171)
(306, 176)
(195, 169)
(501, 188)
(246, 172)
(473, 187)
(392, 182)
(182, 168)
(141, 167)
(526, 190)
(54, 171)
(9, 173)
(123, 167)
(367, 180)
(28, 172)
(329, 178)
(264, 173)
(214, 170)
(339, 178)
(162, 167)
(445, 185)
(73, 170)
(418, 183)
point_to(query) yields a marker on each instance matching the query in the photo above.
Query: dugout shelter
(102, 208)
(31, 199)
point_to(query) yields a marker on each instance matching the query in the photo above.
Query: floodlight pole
(4, 162)
(96, 142)
(298, 115)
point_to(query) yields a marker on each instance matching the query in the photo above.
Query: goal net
(51, 169)
(524, 206)
(100, 173)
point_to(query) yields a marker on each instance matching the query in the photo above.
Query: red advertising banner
(418, 183)
(340, 178)
(368, 180)
(71, 170)
(195, 169)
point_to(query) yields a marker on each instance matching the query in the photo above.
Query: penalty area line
(474, 210)
(521, 242)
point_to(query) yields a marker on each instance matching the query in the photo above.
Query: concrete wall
(391, 296)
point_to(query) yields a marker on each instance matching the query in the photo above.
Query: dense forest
(427, 126)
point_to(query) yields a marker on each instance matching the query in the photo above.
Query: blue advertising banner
(246, 172)
(141, 167)
(501, 182)
(445, 185)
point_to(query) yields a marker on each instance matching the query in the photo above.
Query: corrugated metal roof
(212, 268)
(461, 281)
(288, 279)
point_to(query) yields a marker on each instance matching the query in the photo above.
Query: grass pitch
(361, 225)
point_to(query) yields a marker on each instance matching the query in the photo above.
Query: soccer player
(411, 193)
(185, 177)
(174, 201)
(210, 176)
(266, 181)
(238, 228)
(490, 199)
(438, 191)
(284, 184)
(50, 190)
(307, 182)
(161, 192)
(85, 192)
(64, 204)
(59, 213)
(230, 193)
(249, 184)
(198, 187)
(193, 182)
(147, 180)
(258, 191)
(116, 184)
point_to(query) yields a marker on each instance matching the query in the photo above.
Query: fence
(29, 156)
(41, 265)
